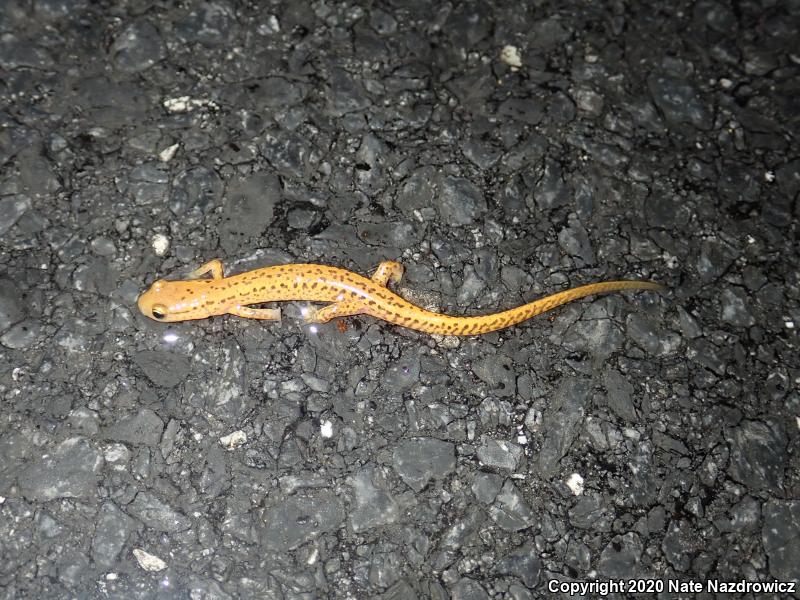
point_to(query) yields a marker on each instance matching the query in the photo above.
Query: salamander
(347, 293)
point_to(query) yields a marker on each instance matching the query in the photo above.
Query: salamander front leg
(213, 266)
(265, 314)
(337, 309)
(388, 271)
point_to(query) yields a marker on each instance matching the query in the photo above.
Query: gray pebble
(22, 335)
(497, 371)
(574, 240)
(402, 374)
(344, 94)
(143, 428)
(643, 331)
(249, 209)
(619, 395)
(591, 513)
(526, 110)
(523, 563)
(758, 454)
(678, 545)
(199, 187)
(734, 308)
(460, 532)
(418, 460)
(138, 47)
(12, 305)
(471, 287)
(401, 234)
(781, 538)
(499, 454)
(622, 556)
(11, 209)
(714, 259)
(382, 22)
(301, 218)
(486, 486)
(374, 507)
(481, 154)
(299, 518)
(68, 471)
(156, 514)
(679, 101)
(220, 388)
(164, 369)
(468, 589)
(510, 511)
(111, 532)
(561, 423)
(459, 201)
(550, 191)
(708, 355)
(417, 192)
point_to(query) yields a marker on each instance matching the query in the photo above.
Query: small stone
(523, 563)
(160, 244)
(781, 536)
(233, 440)
(143, 428)
(575, 484)
(11, 209)
(157, 514)
(168, 153)
(486, 486)
(249, 209)
(459, 201)
(12, 305)
(758, 454)
(374, 507)
(149, 562)
(299, 519)
(68, 471)
(22, 335)
(111, 532)
(499, 454)
(138, 47)
(679, 101)
(402, 374)
(510, 511)
(418, 460)
(164, 369)
(622, 556)
(468, 589)
(510, 55)
(734, 308)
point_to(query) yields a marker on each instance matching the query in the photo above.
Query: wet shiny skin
(347, 293)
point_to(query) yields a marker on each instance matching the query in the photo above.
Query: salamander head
(170, 301)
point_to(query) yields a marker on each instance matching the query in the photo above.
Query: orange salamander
(348, 294)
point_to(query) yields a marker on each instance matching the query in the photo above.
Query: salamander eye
(159, 311)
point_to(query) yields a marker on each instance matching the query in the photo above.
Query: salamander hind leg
(388, 271)
(264, 314)
(337, 309)
(213, 266)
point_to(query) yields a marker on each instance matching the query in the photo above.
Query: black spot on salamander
(314, 285)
